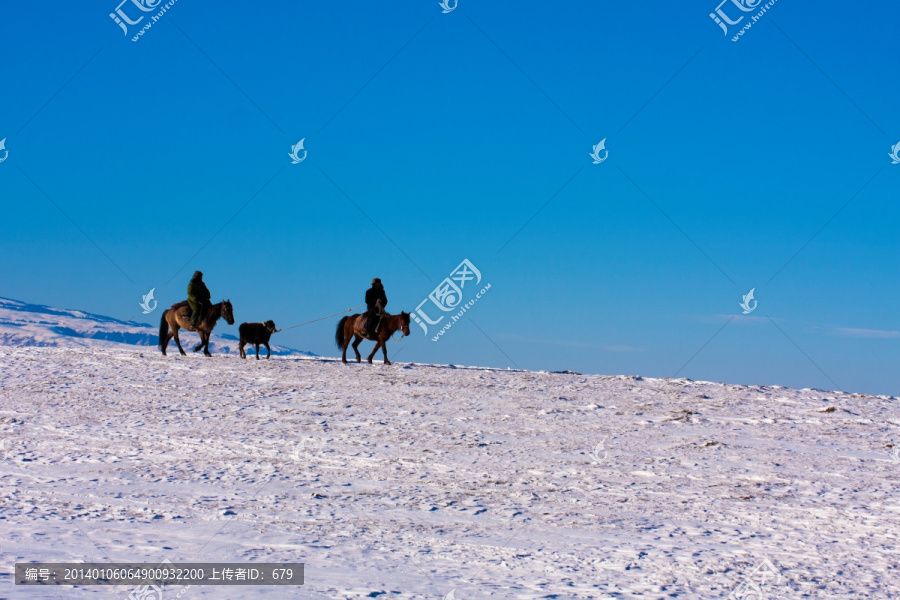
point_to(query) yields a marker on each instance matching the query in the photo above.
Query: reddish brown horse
(349, 327)
(179, 317)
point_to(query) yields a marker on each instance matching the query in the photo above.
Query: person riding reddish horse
(376, 302)
(379, 325)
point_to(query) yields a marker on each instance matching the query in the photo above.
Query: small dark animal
(256, 333)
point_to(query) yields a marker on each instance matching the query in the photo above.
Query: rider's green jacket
(197, 292)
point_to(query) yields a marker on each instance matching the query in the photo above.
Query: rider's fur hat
(376, 281)
(197, 275)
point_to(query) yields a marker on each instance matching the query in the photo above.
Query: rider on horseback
(376, 301)
(198, 297)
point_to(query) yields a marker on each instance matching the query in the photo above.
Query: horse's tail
(339, 334)
(163, 328)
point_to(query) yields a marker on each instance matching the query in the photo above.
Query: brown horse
(179, 317)
(390, 324)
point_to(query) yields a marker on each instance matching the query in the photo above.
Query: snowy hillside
(412, 481)
(23, 324)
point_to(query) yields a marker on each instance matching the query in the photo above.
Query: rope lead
(322, 318)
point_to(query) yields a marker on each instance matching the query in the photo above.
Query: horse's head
(228, 312)
(404, 322)
(270, 326)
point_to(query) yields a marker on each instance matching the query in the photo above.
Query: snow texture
(412, 481)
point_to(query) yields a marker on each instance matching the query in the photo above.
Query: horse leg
(164, 342)
(345, 343)
(178, 340)
(205, 342)
(163, 332)
(268, 350)
(374, 350)
(257, 351)
(384, 350)
(241, 349)
(356, 344)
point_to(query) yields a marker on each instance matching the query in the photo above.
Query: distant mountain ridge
(25, 324)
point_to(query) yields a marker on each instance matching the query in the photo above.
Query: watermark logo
(4, 453)
(297, 452)
(6, 152)
(895, 153)
(895, 453)
(146, 592)
(445, 4)
(296, 159)
(751, 588)
(147, 299)
(595, 453)
(596, 153)
(723, 19)
(747, 299)
(452, 594)
(448, 297)
(155, 592)
(121, 18)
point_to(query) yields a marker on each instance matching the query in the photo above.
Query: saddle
(362, 322)
(184, 304)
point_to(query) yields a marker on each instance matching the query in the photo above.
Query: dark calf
(256, 333)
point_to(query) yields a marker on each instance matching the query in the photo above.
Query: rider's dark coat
(373, 295)
(198, 294)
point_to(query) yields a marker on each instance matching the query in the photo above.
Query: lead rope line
(322, 318)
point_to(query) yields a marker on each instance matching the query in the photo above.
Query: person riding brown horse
(376, 302)
(178, 317)
(198, 297)
(350, 327)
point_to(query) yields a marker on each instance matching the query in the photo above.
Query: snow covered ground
(412, 481)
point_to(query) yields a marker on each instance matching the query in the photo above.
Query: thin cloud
(852, 332)
(738, 319)
(856, 332)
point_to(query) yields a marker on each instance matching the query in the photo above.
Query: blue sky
(434, 138)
